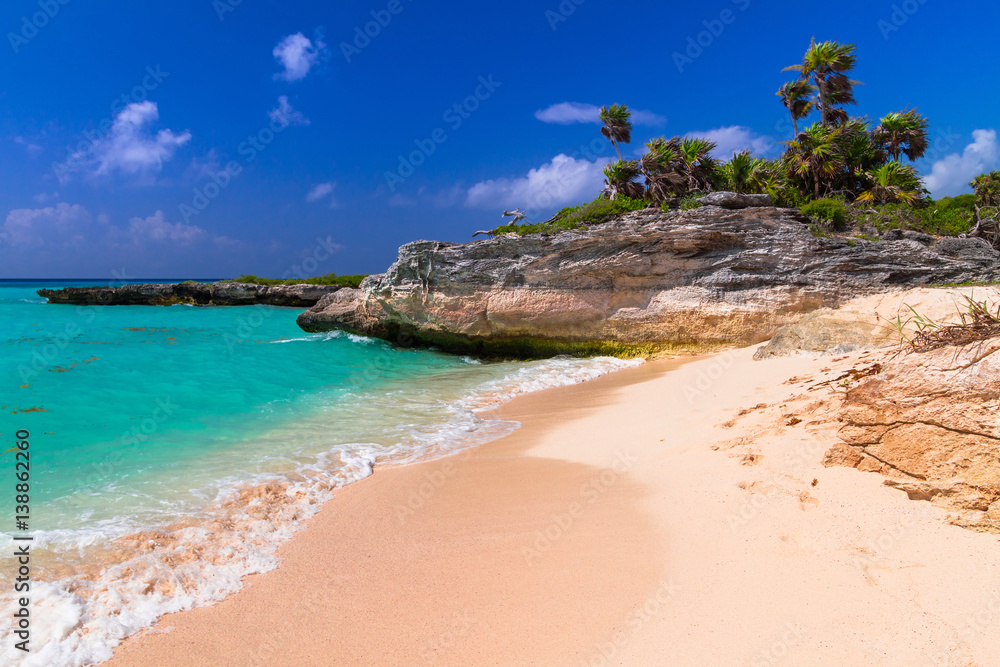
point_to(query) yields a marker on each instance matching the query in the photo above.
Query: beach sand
(637, 519)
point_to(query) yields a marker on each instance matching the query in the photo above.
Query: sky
(212, 138)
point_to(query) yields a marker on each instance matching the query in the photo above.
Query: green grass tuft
(328, 279)
(577, 217)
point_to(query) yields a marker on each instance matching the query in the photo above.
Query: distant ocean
(173, 449)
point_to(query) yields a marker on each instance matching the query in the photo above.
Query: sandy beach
(672, 514)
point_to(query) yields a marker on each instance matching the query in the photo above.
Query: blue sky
(203, 138)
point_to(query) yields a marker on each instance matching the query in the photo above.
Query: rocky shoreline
(197, 294)
(650, 281)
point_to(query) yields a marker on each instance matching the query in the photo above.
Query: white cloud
(562, 181)
(951, 175)
(285, 113)
(320, 191)
(66, 238)
(297, 54)
(131, 147)
(736, 138)
(33, 149)
(155, 228)
(61, 224)
(566, 113)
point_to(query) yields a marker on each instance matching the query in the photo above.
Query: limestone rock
(872, 321)
(704, 277)
(202, 294)
(733, 200)
(930, 420)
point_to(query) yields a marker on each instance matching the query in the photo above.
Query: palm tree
(795, 96)
(744, 173)
(660, 167)
(698, 164)
(827, 64)
(987, 189)
(620, 177)
(903, 133)
(815, 157)
(892, 182)
(617, 127)
(860, 154)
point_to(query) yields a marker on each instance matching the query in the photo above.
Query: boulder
(929, 423)
(734, 200)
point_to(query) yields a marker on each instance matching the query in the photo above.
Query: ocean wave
(146, 572)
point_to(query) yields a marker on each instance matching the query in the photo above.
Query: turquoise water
(155, 419)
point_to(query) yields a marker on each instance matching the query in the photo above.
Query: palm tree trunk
(795, 126)
(615, 144)
(824, 111)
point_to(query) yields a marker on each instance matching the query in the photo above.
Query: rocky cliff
(648, 281)
(201, 294)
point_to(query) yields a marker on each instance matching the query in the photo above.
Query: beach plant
(577, 217)
(617, 125)
(744, 173)
(698, 165)
(328, 279)
(979, 321)
(797, 98)
(892, 182)
(660, 166)
(903, 133)
(830, 213)
(815, 158)
(827, 65)
(620, 180)
(987, 207)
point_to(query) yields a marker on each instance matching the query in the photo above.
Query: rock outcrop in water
(200, 294)
(650, 280)
(929, 423)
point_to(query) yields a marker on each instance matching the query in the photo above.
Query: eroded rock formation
(201, 294)
(650, 280)
(929, 422)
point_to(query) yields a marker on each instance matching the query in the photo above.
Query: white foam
(78, 621)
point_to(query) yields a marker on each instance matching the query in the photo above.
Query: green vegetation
(617, 125)
(849, 174)
(831, 213)
(576, 217)
(328, 279)
(979, 322)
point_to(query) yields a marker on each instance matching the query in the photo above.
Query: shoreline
(365, 517)
(723, 540)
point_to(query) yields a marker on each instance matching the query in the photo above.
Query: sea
(172, 450)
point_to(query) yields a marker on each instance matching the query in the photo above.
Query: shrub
(689, 202)
(950, 216)
(832, 213)
(574, 217)
(328, 279)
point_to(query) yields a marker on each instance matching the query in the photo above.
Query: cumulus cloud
(52, 239)
(130, 147)
(567, 113)
(297, 54)
(735, 139)
(561, 181)
(951, 175)
(31, 227)
(156, 229)
(285, 113)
